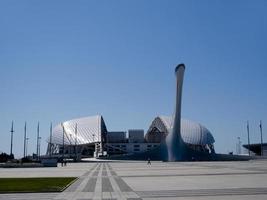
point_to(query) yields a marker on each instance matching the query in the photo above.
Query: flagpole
(76, 141)
(63, 145)
(11, 143)
(261, 138)
(26, 148)
(50, 141)
(248, 138)
(25, 132)
(37, 150)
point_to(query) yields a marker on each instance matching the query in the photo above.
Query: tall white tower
(176, 146)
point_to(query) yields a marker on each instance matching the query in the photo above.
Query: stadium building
(167, 139)
(89, 137)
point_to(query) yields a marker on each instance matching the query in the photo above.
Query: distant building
(116, 137)
(92, 139)
(168, 138)
(193, 134)
(256, 148)
(136, 136)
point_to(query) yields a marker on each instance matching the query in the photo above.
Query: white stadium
(89, 137)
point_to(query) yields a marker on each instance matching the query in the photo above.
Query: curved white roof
(89, 130)
(192, 132)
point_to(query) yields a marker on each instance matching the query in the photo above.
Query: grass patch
(51, 184)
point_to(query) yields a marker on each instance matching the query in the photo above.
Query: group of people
(63, 163)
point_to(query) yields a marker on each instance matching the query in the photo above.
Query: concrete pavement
(161, 180)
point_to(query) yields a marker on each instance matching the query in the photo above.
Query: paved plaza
(161, 180)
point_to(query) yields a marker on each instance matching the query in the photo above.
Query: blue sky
(66, 59)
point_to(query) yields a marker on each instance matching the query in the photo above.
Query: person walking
(148, 161)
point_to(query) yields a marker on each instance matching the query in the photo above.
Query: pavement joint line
(117, 194)
(91, 181)
(98, 187)
(104, 172)
(106, 195)
(80, 180)
(124, 187)
(90, 185)
(80, 184)
(106, 185)
(121, 185)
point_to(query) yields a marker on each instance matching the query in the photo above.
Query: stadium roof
(192, 132)
(89, 130)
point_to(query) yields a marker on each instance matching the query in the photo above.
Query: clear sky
(61, 60)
